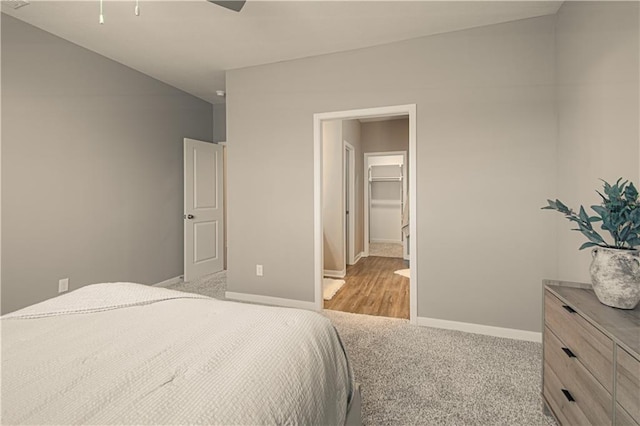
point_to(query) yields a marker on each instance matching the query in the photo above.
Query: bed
(124, 353)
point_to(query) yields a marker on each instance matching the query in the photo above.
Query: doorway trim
(318, 118)
(350, 220)
(366, 191)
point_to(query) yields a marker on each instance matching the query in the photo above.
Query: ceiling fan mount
(235, 5)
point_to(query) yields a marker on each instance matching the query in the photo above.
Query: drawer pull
(568, 395)
(569, 353)
(569, 309)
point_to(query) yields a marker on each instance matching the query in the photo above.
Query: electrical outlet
(259, 270)
(63, 285)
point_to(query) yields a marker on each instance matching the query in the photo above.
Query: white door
(347, 248)
(349, 202)
(203, 209)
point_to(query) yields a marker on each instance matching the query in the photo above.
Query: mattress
(123, 353)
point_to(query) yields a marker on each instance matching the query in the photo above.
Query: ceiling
(190, 44)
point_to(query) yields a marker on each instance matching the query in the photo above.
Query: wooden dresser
(591, 362)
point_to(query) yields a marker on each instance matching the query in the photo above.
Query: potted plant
(615, 268)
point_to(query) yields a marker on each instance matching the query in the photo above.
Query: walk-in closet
(386, 201)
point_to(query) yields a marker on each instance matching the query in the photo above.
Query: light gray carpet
(428, 376)
(213, 285)
(425, 376)
(385, 249)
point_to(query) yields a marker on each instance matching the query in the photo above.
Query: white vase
(615, 275)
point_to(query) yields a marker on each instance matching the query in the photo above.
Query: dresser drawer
(565, 411)
(623, 418)
(575, 382)
(590, 345)
(628, 383)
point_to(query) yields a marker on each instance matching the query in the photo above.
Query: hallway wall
(352, 133)
(387, 135)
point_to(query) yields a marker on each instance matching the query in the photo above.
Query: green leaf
(634, 242)
(616, 221)
(631, 193)
(590, 234)
(624, 232)
(583, 215)
(587, 245)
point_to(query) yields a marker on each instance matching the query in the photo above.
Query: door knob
(190, 216)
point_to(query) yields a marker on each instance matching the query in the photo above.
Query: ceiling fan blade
(235, 5)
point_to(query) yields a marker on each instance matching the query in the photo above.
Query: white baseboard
(358, 257)
(170, 281)
(386, 241)
(268, 300)
(335, 274)
(509, 333)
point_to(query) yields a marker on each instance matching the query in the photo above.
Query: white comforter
(123, 353)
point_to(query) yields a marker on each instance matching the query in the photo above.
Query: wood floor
(372, 288)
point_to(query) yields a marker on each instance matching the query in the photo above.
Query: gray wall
(598, 113)
(384, 136)
(352, 133)
(334, 133)
(219, 123)
(91, 168)
(485, 155)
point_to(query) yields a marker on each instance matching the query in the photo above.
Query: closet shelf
(379, 202)
(385, 179)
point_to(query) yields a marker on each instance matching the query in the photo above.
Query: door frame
(318, 118)
(225, 194)
(350, 183)
(366, 188)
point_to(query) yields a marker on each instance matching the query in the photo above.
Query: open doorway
(342, 195)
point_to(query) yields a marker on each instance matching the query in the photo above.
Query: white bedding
(123, 353)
